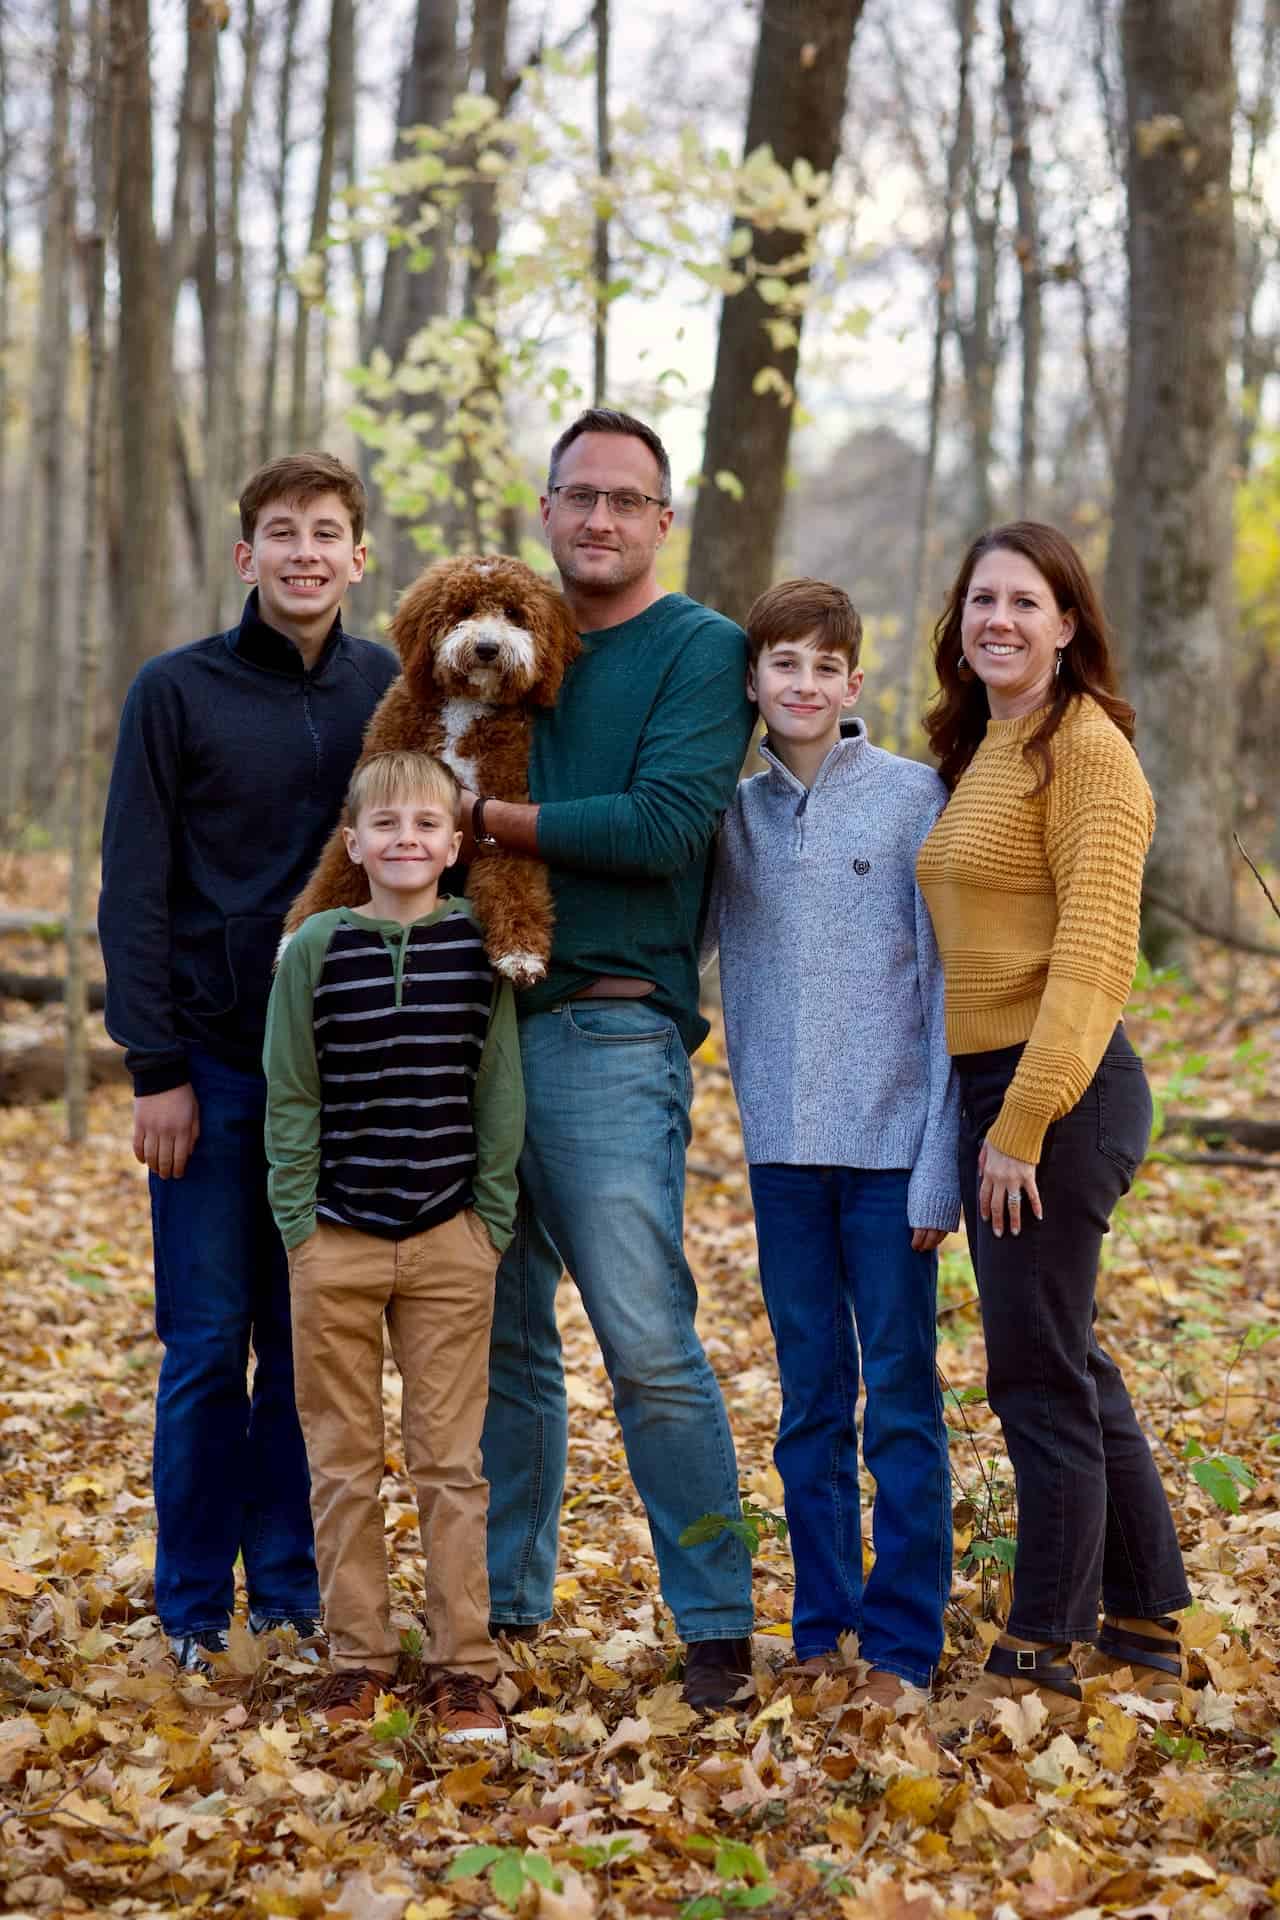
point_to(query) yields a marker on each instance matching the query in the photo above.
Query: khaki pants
(435, 1291)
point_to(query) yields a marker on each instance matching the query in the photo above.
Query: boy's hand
(1004, 1181)
(166, 1127)
(925, 1239)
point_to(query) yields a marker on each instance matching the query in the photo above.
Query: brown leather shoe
(717, 1673)
(1150, 1649)
(1014, 1669)
(465, 1710)
(890, 1691)
(349, 1693)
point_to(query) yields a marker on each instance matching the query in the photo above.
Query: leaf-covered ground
(125, 1789)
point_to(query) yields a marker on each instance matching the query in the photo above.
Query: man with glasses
(629, 775)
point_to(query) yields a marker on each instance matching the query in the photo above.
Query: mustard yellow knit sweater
(1035, 900)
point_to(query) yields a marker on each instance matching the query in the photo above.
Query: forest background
(882, 272)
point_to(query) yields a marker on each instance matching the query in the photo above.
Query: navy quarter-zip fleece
(230, 770)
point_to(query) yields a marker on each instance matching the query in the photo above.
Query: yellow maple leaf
(916, 1797)
(1114, 1734)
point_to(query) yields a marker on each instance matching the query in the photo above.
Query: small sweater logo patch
(862, 866)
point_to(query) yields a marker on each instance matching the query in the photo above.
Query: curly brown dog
(482, 643)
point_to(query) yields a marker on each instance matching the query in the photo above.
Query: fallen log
(42, 989)
(1217, 1129)
(32, 1074)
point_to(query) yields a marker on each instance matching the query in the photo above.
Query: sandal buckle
(1026, 1659)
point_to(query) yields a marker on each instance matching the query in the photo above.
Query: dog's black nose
(486, 649)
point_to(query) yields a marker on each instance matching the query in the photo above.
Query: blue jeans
(838, 1275)
(607, 1087)
(230, 1471)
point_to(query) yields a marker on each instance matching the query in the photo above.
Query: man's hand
(1004, 1181)
(166, 1127)
(925, 1239)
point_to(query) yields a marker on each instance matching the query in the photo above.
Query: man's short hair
(609, 420)
(388, 777)
(811, 610)
(299, 478)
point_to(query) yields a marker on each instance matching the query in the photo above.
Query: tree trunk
(84, 802)
(279, 196)
(49, 433)
(1169, 569)
(145, 385)
(411, 297)
(979, 338)
(1028, 250)
(1257, 245)
(944, 280)
(798, 91)
(307, 408)
(233, 452)
(604, 166)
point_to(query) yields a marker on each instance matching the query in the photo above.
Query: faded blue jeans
(607, 1089)
(841, 1282)
(230, 1469)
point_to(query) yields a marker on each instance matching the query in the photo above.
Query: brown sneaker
(464, 1709)
(349, 1693)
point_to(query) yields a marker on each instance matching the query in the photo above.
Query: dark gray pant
(1093, 1518)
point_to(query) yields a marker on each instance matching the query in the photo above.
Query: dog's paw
(521, 969)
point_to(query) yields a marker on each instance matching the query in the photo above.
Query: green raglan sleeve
(499, 1120)
(293, 1082)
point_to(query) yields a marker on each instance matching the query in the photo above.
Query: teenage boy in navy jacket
(233, 757)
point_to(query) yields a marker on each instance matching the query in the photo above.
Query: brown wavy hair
(957, 718)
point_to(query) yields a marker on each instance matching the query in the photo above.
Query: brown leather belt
(613, 986)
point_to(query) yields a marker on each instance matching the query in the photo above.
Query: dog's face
(485, 629)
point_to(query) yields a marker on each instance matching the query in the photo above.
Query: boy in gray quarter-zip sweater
(833, 1005)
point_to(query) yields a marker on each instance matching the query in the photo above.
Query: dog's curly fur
(482, 643)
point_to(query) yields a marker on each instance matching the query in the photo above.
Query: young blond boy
(233, 757)
(833, 1009)
(395, 1115)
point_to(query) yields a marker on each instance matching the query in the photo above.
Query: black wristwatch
(478, 834)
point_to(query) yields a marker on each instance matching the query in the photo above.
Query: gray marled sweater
(831, 980)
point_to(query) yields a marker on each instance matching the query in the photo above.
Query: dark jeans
(1093, 1518)
(230, 1470)
(841, 1283)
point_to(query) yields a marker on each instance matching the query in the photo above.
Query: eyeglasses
(623, 502)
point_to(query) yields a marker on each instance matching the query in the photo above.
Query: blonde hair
(385, 777)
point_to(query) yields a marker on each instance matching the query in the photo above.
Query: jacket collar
(260, 645)
(842, 764)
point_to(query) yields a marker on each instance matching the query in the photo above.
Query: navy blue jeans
(840, 1280)
(1093, 1519)
(230, 1469)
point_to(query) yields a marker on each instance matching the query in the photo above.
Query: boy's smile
(404, 846)
(302, 559)
(803, 690)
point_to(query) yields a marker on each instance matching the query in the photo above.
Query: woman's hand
(1004, 1181)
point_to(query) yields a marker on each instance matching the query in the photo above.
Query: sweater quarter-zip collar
(842, 765)
(261, 645)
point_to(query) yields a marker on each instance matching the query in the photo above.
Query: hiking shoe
(304, 1625)
(349, 1693)
(190, 1650)
(717, 1673)
(526, 1630)
(464, 1709)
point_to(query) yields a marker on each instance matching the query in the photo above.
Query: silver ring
(1015, 1199)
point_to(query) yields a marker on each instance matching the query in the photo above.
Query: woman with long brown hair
(1033, 876)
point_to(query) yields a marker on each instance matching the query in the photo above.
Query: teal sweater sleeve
(686, 767)
(498, 1118)
(293, 1082)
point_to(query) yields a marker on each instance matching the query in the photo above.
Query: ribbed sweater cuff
(940, 1211)
(1019, 1132)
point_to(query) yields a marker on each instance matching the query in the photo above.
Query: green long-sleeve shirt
(631, 771)
(394, 1090)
